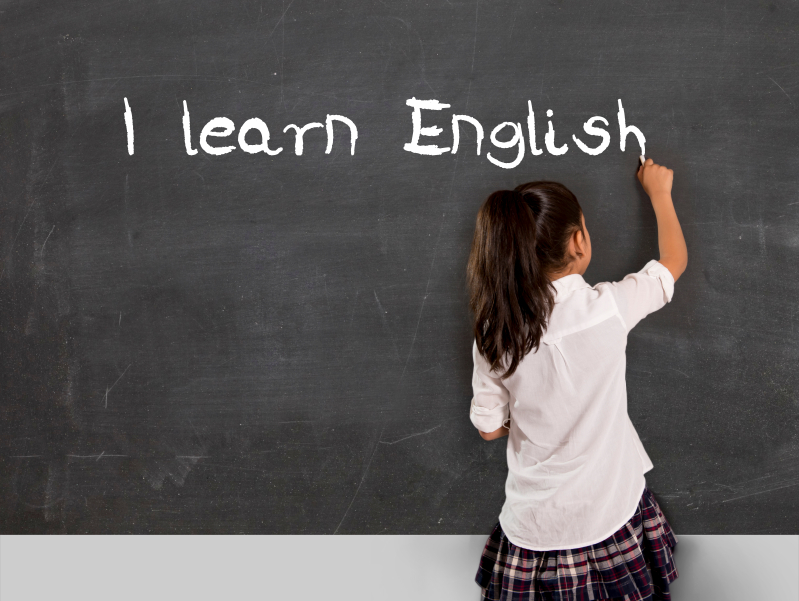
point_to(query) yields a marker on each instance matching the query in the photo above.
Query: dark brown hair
(521, 235)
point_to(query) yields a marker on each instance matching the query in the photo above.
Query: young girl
(578, 521)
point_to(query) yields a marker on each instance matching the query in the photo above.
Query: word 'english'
(517, 139)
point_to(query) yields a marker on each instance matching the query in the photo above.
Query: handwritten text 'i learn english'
(221, 127)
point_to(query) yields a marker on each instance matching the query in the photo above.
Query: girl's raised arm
(656, 181)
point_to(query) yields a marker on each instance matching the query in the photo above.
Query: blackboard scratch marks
(281, 60)
(388, 328)
(354, 302)
(783, 91)
(410, 436)
(112, 85)
(249, 469)
(41, 252)
(107, 390)
(280, 20)
(46, 177)
(324, 282)
(283, 55)
(703, 223)
(474, 52)
(184, 78)
(414, 335)
(409, 28)
(513, 21)
(363, 477)
(474, 45)
(426, 294)
(760, 492)
(775, 68)
(678, 371)
(196, 433)
(640, 12)
(197, 321)
(95, 456)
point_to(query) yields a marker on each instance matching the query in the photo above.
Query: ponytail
(520, 236)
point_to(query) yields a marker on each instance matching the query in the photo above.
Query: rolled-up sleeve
(489, 409)
(643, 292)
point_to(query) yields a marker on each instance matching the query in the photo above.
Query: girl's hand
(498, 433)
(656, 179)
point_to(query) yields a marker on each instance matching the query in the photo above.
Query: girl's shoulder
(582, 309)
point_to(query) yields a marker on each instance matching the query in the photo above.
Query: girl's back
(571, 443)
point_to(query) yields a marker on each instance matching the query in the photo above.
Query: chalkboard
(280, 342)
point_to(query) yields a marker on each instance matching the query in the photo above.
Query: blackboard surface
(247, 343)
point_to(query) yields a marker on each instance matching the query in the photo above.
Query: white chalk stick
(642, 159)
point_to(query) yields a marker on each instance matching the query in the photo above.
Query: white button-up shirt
(575, 463)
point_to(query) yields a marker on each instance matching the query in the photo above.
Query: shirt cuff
(658, 270)
(488, 420)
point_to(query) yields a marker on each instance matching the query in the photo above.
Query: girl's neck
(571, 270)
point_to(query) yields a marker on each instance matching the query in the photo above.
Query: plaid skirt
(633, 564)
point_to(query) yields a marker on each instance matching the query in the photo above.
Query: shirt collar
(567, 284)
